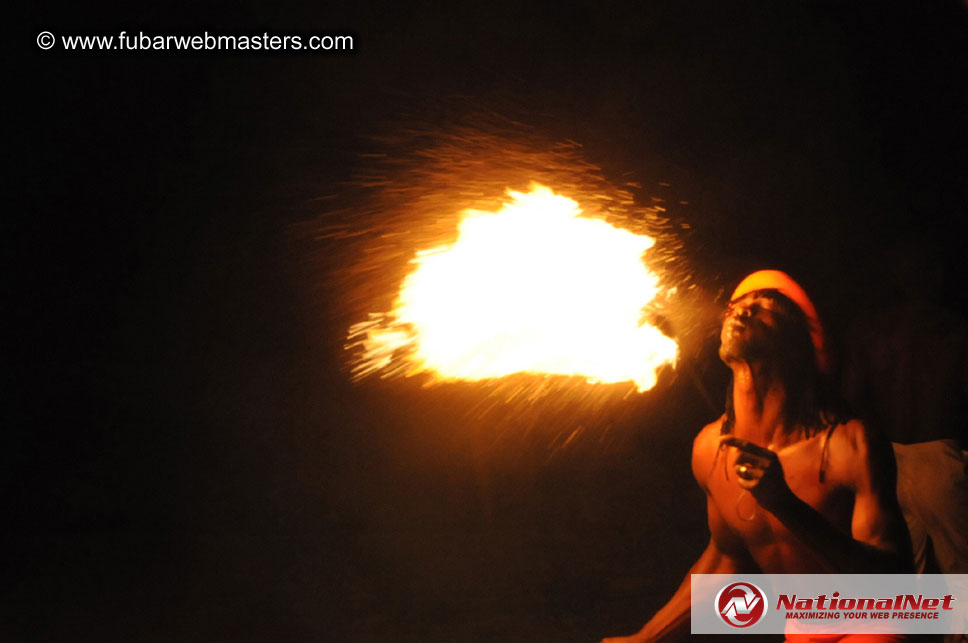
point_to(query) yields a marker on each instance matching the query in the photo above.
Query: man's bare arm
(877, 521)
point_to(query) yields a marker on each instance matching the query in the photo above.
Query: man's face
(751, 328)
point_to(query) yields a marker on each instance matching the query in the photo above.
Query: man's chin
(731, 351)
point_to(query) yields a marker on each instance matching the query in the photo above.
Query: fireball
(534, 287)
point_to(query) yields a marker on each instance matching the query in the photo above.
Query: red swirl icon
(741, 604)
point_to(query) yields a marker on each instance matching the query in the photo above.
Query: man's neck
(758, 401)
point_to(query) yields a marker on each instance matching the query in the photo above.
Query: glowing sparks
(533, 288)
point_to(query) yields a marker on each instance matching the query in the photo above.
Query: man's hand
(759, 470)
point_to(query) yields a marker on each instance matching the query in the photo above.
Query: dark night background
(187, 458)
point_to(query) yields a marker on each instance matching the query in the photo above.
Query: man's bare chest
(741, 519)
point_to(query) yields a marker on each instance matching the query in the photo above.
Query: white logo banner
(829, 604)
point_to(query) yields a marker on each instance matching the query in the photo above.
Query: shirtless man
(790, 487)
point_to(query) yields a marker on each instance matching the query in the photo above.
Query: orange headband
(777, 280)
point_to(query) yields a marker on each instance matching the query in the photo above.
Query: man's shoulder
(705, 447)
(708, 436)
(850, 438)
(849, 450)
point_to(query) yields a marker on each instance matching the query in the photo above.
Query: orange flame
(533, 288)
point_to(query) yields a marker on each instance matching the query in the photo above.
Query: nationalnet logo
(741, 604)
(829, 603)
